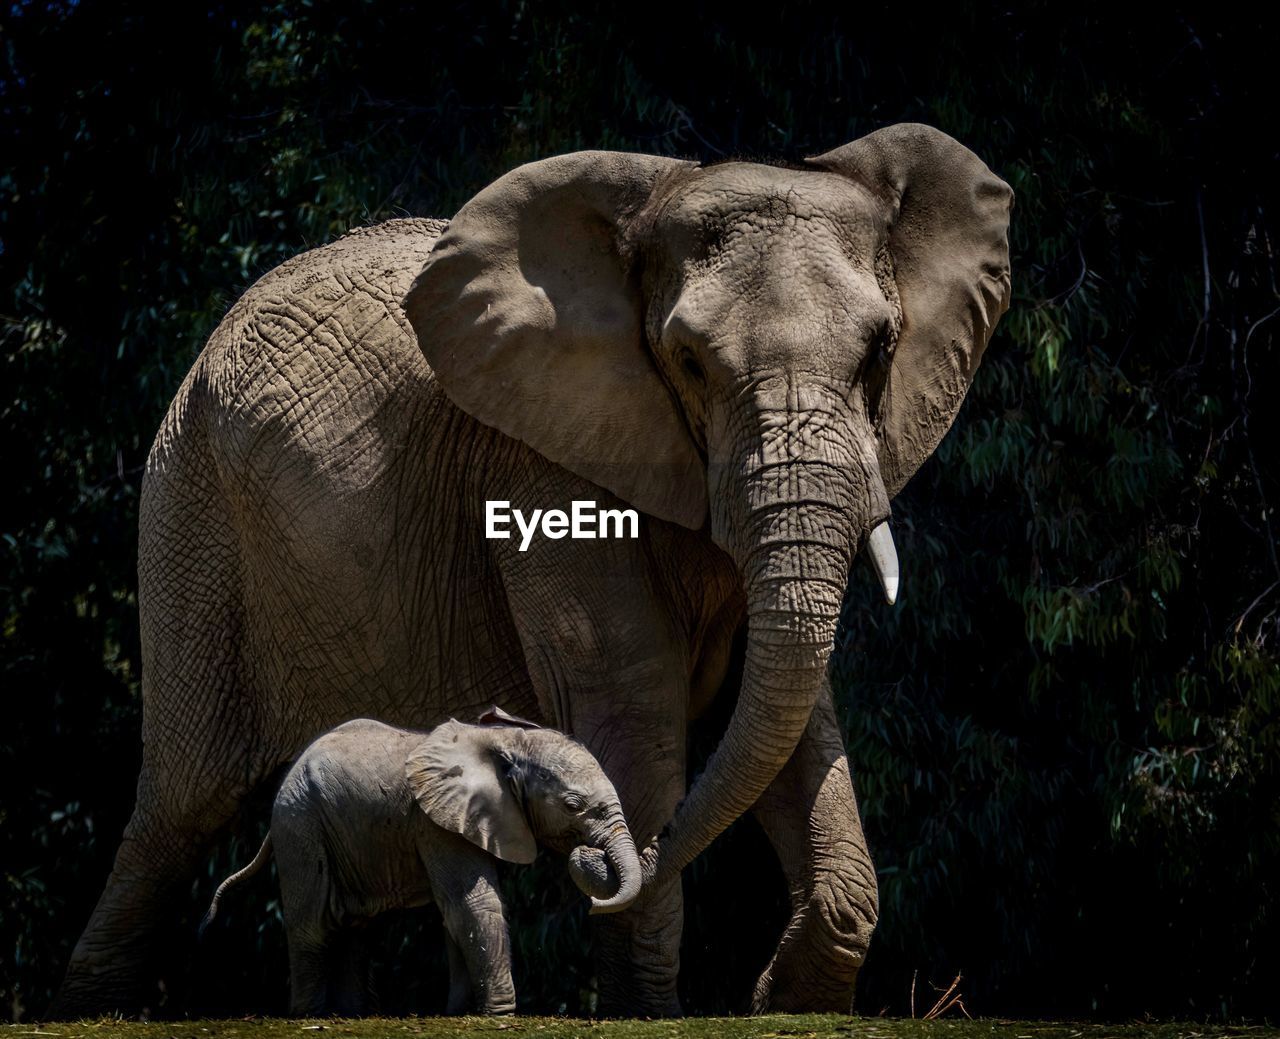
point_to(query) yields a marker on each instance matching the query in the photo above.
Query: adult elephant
(755, 357)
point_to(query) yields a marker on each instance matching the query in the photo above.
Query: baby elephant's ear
(495, 715)
(461, 781)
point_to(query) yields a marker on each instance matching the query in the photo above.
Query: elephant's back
(354, 770)
(311, 350)
(385, 258)
(284, 473)
(305, 472)
(318, 346)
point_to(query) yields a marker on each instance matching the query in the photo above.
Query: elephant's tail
(236, 878)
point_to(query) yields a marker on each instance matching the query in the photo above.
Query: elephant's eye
(693, 368)
(574, 802)
(881, 344)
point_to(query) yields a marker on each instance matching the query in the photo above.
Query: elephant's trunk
(792, 509)
(620, 850)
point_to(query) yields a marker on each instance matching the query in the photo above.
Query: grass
(808, 1026)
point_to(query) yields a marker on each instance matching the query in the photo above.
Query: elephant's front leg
(466, 889)
(609, 667)
(811, 818)
(630, 715)
(641, 748)
(476, 923)
(459, 1001)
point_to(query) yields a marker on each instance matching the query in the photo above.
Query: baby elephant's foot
(592, 872)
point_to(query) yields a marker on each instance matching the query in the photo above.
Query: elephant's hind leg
(199, 755)
(115, 965)
(353, 983)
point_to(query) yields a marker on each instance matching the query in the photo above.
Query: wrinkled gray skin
(373, 818)
(757, 358)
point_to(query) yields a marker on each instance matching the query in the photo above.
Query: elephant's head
(773, 351)
(506, 783)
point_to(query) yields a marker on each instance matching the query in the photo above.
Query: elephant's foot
(113, 966)
(106, 979)
(639, 956)
(815, 967)
(127, 945)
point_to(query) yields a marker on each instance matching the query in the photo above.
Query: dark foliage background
(1066, 736)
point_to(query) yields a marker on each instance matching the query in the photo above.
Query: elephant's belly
(343, 631)
(385, 891)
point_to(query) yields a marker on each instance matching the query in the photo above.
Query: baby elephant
(372, 818)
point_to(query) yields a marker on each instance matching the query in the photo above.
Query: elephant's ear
(495, 715)
(949, 247)
(529, 311)
(463, 784)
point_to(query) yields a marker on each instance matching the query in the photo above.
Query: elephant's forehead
(738, 199)
(760, 245)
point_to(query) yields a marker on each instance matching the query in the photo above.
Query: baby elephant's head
(505, 782)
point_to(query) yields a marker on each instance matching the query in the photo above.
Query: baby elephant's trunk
(620, 850)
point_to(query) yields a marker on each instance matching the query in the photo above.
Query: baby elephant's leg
(308, 973)
(459, 979)
(466, 889)
(304, 890)
(352, 988)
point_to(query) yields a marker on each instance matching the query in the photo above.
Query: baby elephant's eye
(574, 802)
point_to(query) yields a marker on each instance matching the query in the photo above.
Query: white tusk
(884, 558)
